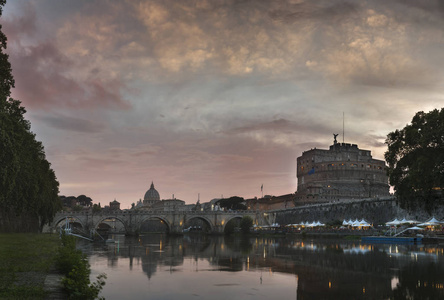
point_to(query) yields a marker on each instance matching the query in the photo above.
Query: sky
(211, 99)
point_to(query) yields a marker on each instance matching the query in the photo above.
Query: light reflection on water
(198, 266)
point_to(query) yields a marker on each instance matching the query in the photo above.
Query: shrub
(74, 265)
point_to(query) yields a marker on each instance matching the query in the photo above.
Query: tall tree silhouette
(28, 185)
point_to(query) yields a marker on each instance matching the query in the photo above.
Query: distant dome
(152, 194)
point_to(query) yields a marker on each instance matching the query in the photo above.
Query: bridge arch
(155, 217)
(207, 221)
(71, 218)
(233, 221)
(102, 220)
(229, 218)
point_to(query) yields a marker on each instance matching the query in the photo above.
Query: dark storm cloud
(275, 125)
(72, 124)
(281, 125)
(314, 11)
(429, 6)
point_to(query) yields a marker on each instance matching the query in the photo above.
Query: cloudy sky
(216, 97)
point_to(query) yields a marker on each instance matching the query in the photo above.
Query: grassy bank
(25, 260)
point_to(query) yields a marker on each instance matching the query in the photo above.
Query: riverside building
(342, 172)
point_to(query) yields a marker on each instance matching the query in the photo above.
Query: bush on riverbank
(74, 265)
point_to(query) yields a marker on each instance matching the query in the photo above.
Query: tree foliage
(28, 185)
(233, 203)
(415, 158)
(96, 208)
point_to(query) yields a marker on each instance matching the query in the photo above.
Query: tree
(233, 203)
(84, 200)
(96, 208)
(28, 185)
(415, 158)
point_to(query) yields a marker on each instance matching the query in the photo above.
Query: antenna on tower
(343, 126)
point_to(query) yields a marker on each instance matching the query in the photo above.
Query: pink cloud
(21, 25)
(41, 73)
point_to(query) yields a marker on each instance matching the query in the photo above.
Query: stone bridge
(174, 220)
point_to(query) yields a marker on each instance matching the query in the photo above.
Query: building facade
(115, 205)
(169, 205)
(271, 202)
(342, 172)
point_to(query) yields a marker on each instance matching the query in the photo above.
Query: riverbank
(25, 262)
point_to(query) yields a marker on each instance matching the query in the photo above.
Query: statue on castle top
(335, 135)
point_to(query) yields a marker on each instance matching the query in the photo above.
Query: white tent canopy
(355, 223)
(431, 222)
(347, 223)
(308, 224)
(361, 223)
(394, 222)
(415, 228)
(312, 224)
(405, 221)
(364, 223)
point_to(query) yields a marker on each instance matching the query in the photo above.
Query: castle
(342, 172)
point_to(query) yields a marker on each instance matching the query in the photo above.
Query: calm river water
(207, 267)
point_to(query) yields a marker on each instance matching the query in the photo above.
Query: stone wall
(375, 211)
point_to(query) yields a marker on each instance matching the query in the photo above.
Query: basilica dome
(152, 194)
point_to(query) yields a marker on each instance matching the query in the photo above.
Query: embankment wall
(374, 210)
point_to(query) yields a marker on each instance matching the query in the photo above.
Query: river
(194, 266)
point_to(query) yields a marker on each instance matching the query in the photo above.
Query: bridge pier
(131, 231)
(218, 229)
(176, 229)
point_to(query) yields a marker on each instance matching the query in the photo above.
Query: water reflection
(228, 267)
